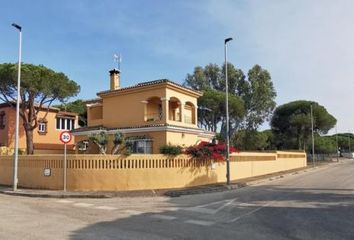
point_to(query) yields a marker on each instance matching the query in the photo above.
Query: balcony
(153, 117)
(177, 112)
(188, 119)
(153, 109)
(175, 109)
(189, 113)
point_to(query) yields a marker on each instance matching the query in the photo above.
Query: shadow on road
(265, 212)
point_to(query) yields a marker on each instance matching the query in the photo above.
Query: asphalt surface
(316, 204)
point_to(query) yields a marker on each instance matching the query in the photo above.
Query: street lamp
(227, 115)
(349, 148)
(337, 150)
(313, 139)
(19, 28)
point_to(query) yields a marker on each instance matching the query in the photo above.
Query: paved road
(317, 204)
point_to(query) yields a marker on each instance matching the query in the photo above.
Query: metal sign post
(65, 137)
(64, 167)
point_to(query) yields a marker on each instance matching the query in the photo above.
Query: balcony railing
(188, 119)
(175, 118)
(153, 117)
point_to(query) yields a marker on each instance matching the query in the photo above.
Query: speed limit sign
(65, 137)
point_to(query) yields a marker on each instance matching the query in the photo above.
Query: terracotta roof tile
(149, 83)
(84, 129)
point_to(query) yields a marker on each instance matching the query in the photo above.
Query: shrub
(118, 138)
(212, 151)
(127, 148)
(101, 140)
(171, 149)
(118, 141)
(21, 152)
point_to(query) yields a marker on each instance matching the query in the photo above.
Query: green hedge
(171, 149)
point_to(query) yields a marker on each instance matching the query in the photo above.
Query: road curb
(56, 195)
(192, 191)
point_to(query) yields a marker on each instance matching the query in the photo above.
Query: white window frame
(145, 145)
(42, 127)
(84, 146)
(65, 121)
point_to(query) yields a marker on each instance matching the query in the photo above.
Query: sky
(307, 46)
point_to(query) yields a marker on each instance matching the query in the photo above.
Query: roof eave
(162, 82)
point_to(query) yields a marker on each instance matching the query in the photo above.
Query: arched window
(174, 110)
(153, 109)
(189, 113)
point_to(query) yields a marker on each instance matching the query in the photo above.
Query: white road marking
(210, 204)
(106, 208)
(163, 217)
(64, 201)
(201, 210)
(246, 205)
(249, 213)
(229, 202)
(200, 222)
(83, 204)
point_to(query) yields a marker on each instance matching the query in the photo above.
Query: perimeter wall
(138, 172)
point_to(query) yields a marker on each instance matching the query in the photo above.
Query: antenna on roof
(117, 58)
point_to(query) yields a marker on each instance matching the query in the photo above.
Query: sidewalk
(163, 192)
(72, 194)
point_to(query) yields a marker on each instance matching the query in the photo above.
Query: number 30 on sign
(65, 137)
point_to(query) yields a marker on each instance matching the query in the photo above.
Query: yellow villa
(149, 115)
(51, 122)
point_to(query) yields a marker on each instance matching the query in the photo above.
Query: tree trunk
(299, 141)
(29, 142)
(102, 148)
(115, 149)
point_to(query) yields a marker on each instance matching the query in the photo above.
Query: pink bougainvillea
(206, 150)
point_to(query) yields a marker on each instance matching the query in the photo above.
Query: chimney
(115, 78)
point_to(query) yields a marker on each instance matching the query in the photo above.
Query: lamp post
(227, 115)
(349, 148)
(337, 150)
(313, 139)
(15, 164)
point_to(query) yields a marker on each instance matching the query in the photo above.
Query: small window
(2, 120)
(42, 127)
(83, 145)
